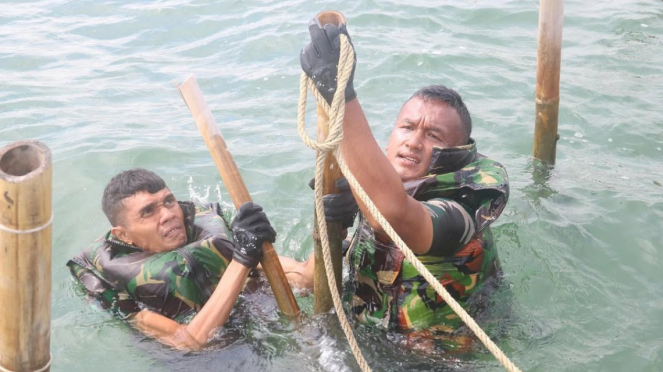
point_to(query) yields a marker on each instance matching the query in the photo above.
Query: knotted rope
(336, 112)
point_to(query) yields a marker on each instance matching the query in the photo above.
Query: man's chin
(408, 175)
(172, 244)
(177, 242)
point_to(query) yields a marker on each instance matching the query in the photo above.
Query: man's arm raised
(379, 179)
(410, 219)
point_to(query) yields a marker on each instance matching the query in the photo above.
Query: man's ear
(122, 234)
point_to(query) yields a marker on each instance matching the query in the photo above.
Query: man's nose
(415, 141)
(166, 214)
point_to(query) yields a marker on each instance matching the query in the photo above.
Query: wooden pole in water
(322, 301)
(193, 97)
(551, 22)
(25, 257)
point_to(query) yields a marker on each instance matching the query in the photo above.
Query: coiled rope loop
(336, 112)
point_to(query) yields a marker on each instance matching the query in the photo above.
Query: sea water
(581, 244)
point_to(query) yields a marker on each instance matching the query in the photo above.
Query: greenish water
(581, 244)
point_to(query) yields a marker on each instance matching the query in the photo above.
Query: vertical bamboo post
(232, 179)
(551, 21)
(25, 256)
(322, 301)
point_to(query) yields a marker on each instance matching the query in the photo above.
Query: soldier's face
(420, 126)
(152, 222)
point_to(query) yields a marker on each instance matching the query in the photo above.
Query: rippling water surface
(581, 244)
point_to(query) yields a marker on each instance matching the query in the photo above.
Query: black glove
(340, 207)
(319, 59)
(250, 229)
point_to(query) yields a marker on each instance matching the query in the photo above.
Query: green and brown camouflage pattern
(125, 279)
(386, 289)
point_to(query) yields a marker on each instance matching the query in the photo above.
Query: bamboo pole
(551, 22)
(25, 256)
(322, 301)
(193, 97)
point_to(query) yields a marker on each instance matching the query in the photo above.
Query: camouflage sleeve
(453, 226)
(118, 303)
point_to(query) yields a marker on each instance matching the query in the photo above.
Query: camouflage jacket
(125, 279)
(386, 289)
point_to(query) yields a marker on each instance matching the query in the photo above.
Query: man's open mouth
(410, 159)
(173, 232)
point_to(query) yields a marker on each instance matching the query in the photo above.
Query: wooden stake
(193, 97)
(322, 301)
(25, 256)
(551, 22)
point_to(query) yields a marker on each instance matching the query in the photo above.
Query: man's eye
(169, 202)
(146, 213)
(434, 136)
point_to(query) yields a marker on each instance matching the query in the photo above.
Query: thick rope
(336, 113)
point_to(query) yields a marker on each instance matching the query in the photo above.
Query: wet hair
(127, 184)
(449, 96)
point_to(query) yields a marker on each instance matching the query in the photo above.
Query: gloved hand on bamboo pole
(340, 207)
(250, 229)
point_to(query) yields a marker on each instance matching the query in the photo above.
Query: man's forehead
(437, 113)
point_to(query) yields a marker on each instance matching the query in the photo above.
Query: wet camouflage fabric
(124, 279)
(387, 290)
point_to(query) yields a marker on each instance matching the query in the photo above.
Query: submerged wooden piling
(25, 257)
(322, 301)
(551, 21)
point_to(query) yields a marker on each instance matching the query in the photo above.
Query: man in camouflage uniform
(164, 263)
(434, 189)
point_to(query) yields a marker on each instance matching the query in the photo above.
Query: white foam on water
(196, 195)
(331, 359)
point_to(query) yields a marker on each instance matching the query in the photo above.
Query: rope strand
(336, 113)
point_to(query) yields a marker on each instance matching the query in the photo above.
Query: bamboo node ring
(42, 369)
(24, 232)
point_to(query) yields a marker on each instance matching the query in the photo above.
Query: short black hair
(449, 96)
(127, 184)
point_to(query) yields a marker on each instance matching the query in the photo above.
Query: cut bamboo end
(25, 256)
(22, 160)
(331, 16)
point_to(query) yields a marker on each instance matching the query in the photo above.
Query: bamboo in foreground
(234, 183)
(322, 301)
(551, 21)
(25, 256)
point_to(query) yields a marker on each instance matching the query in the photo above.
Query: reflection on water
(541, 174)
